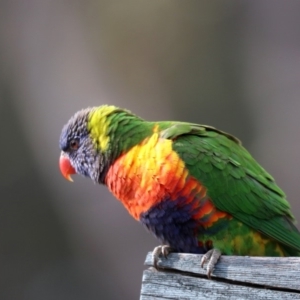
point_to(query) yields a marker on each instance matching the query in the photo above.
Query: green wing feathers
(236, 183)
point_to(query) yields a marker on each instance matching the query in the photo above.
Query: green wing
(236, 183)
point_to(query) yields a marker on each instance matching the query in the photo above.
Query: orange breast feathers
(149, 173)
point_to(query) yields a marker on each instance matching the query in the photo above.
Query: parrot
(195, 187)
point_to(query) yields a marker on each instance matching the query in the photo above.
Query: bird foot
(212, 256)
(163, 250)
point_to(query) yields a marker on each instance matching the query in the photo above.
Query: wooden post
(234, 277)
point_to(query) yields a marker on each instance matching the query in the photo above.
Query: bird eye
(74, 144)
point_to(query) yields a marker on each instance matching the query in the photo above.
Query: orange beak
(65, 167)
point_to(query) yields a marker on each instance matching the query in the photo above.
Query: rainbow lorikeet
(194, 186)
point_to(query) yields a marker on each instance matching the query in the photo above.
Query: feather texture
(195, 187)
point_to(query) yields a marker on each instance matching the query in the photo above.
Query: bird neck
(116, 133)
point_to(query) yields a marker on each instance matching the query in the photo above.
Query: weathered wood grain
(267, 272)
(161, 285)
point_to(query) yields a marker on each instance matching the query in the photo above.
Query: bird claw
(163, 250)
(212, 256)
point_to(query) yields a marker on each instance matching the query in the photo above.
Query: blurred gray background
(231, 64)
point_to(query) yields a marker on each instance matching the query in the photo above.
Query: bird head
(95, 137)
(78, 152)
